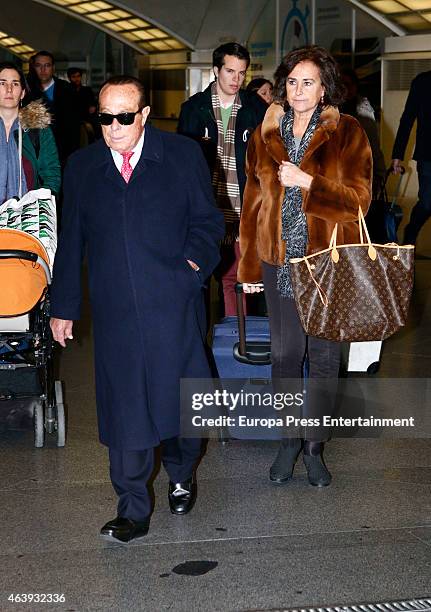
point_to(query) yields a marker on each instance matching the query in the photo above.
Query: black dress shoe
(182, 496)
(124, 530)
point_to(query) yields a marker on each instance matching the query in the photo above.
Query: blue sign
(295, 29)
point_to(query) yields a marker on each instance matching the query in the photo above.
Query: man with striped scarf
(222, 119)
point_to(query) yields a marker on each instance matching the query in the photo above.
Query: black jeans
(290, 346)
(421, 212)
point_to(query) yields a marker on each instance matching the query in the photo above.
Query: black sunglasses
(122, 118)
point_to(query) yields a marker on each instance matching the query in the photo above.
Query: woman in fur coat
(37, 164)
(308, 168)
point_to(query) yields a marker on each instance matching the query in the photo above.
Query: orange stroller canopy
(22, 283)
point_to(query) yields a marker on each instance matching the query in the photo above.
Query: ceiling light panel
(124, 25)
(176, 44)
(161, 45)
(102, 5)
(155, 33)
(387, 6)
(107, 15)
(143, 35)
(417, 5)
(140, 23)
(64, 2)
(121, 23)
(113, 26)
(146, 46)
(412, 21)
(16, 46)
(122, 14)
(95, 17)
(91, 6)
(131, 36)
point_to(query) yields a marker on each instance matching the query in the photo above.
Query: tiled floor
(367, 537)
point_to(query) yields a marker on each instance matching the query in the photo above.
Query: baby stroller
(26, 369)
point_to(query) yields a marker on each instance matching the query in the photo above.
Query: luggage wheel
(373, 368)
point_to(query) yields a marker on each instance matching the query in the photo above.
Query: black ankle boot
(318, 473)
(282, 469)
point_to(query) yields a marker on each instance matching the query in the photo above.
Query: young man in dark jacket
(221, 119)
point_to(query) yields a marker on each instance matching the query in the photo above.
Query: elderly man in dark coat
(140, 202)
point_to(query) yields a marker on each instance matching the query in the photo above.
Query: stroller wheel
(49, 418)
(39, 426)
(61, 417)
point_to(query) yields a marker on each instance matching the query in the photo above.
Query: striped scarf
(225, 179)
(293, 221)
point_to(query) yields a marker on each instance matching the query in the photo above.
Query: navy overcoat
(147, 302)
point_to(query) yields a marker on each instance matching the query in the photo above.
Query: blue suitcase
(241, 345)
(255, 360)
(242, 351)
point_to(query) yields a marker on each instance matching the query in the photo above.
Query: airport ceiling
(151, 26)
(413, 16)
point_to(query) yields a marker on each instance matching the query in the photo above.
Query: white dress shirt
(137, 151)
(48, 85)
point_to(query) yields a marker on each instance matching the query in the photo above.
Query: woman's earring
(322, 99)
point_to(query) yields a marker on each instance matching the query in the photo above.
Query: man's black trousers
(130, 472)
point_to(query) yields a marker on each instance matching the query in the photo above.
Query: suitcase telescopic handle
(255, 352)
(239, 290)
(383, 192)
(398, 186)
(390, 171)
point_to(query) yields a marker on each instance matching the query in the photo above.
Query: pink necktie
(126, 168)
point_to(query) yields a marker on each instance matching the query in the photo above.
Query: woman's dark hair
(256, 84)
(328, 68)
(12, 66)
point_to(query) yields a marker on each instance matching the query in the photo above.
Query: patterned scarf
(9, 164)
(225, 179)
(293, 221)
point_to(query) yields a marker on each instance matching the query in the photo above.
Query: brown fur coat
(340, 161)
